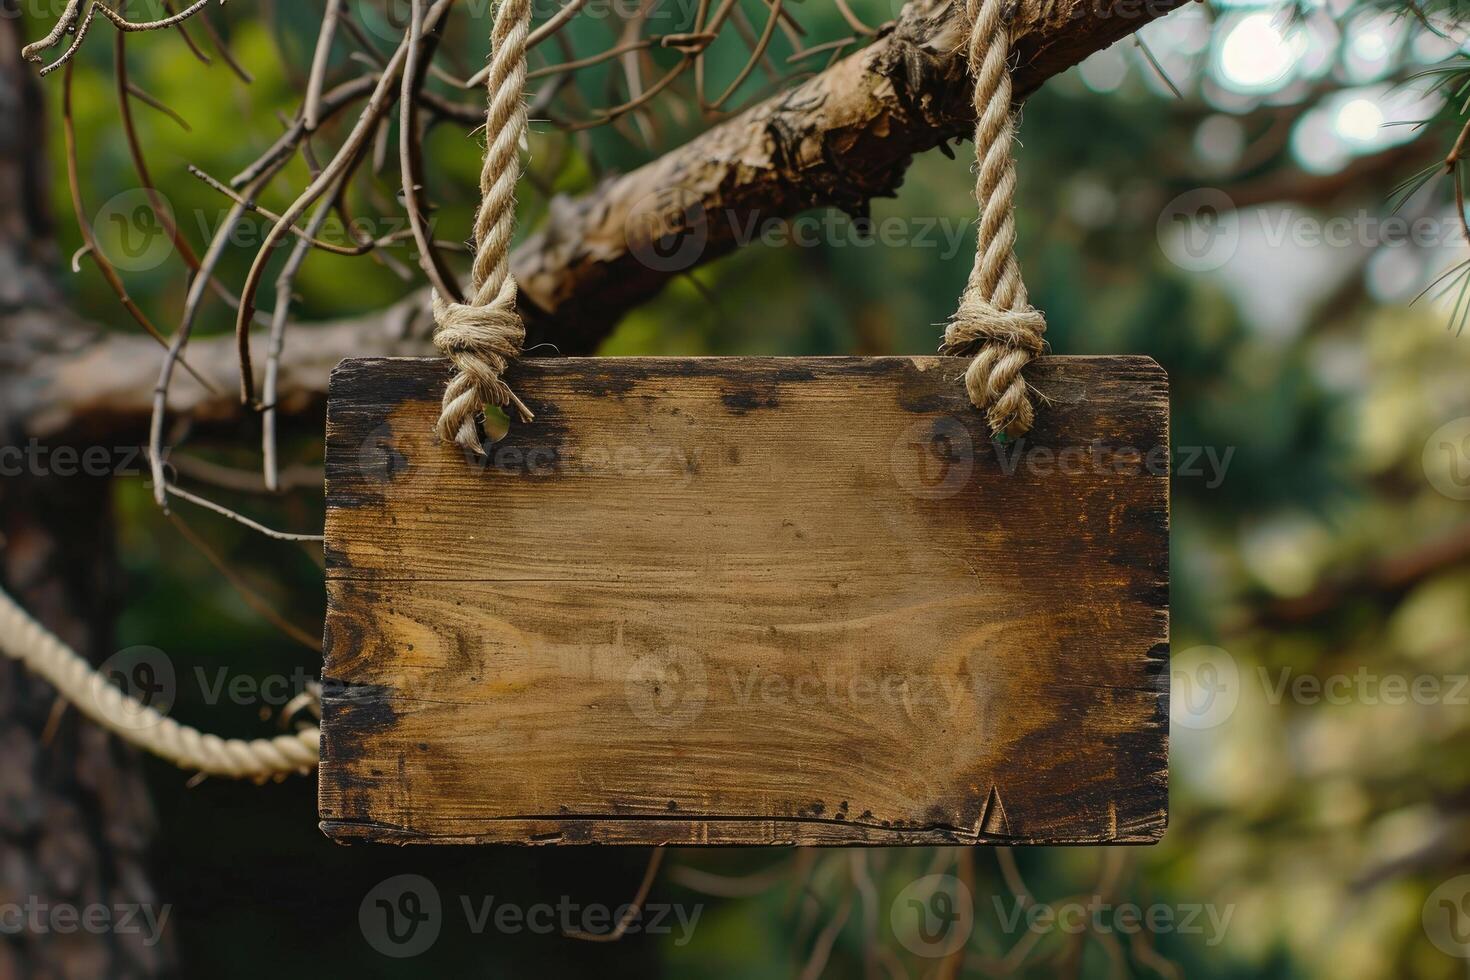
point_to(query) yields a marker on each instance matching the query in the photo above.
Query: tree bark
(75, 816)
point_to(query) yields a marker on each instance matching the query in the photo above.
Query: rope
(995, 321)
(483, 335)
(27, 641)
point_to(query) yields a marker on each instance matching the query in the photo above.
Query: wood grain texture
(748, 601)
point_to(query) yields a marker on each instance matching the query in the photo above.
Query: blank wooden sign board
(748, 601)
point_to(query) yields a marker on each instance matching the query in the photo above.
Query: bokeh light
(1257, 53)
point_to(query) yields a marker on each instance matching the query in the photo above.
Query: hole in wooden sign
(494, 425)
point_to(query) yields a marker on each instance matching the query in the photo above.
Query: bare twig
(311, 113)
(238, 518)
(632, 910)
(410, 156)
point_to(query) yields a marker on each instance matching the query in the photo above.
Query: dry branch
(72, 382)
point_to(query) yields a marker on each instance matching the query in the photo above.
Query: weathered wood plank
(748, 600)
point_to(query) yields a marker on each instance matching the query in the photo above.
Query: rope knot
(1004, 342)
(481, 342)
(977, 320)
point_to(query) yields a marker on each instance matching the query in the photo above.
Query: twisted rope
(995, 321)
(484, 334)
(27, 641)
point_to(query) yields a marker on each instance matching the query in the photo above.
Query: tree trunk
(75, 816)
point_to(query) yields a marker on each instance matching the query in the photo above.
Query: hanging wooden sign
(748, 601)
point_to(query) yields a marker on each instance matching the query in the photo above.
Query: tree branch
(840, 139)
(75, 382)
(1384, 579)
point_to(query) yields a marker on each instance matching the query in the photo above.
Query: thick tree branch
(1386, 579)
(841, 139)
(82, 385)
